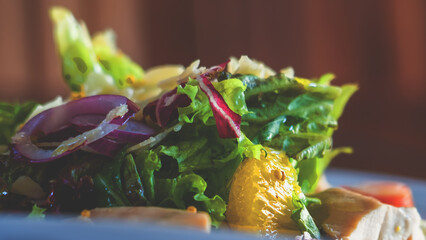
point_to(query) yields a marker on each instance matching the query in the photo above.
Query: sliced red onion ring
(118, 110)
(104, 146)
(131, 132)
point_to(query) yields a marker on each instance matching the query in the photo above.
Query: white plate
(17, 229)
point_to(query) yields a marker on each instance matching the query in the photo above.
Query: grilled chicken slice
(348, 215)
(167, 216)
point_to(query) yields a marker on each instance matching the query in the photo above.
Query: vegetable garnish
(118, 110)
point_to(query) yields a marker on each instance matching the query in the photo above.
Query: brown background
(381, 45)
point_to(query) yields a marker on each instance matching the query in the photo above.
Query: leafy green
(81, 58)
(123, 70)
(199, 107)
(147, 162)
(232, 91)
(188, 185)
(198, 147)
(132, 184)
(37, 213)
(176, 190)
(302, 217)
(298, 116)
(256, 85)
(74, 46)
(340, 102)
(311, 169)
(250, 150)
(11, 116)
(108, 185)
(194, 158)
(325, 79)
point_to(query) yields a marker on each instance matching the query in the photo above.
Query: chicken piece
(167, 216)
(348, 215)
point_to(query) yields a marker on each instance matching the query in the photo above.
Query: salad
(239, 141)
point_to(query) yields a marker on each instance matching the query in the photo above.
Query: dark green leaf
(108, 185)
(302, 217)
(132, 184)
(147, 162)
(298, 117)
(190, 189)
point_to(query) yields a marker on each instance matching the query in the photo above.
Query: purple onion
(131, 132)
(58, 118)
(105, 146)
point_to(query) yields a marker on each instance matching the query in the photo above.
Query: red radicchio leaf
(149, 110)
(227, 122)
(165, 109)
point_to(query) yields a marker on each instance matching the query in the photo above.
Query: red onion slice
(104, 146)
(118, 110)
(131, 132)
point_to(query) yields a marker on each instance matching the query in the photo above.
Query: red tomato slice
(393, 193)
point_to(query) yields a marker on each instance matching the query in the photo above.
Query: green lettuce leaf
(298, 116)
(11, 116)
(82, 58)
(74, 46)
(167, 188)
(198, 147)
(302, 217)
(232, 91)
(108, 184)
(147, 163)
(194, 185)
(191, 167)
(123, 70)
(37, 213)
(311, 169)
(132, 184)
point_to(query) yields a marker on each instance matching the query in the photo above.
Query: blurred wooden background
(381, 45)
